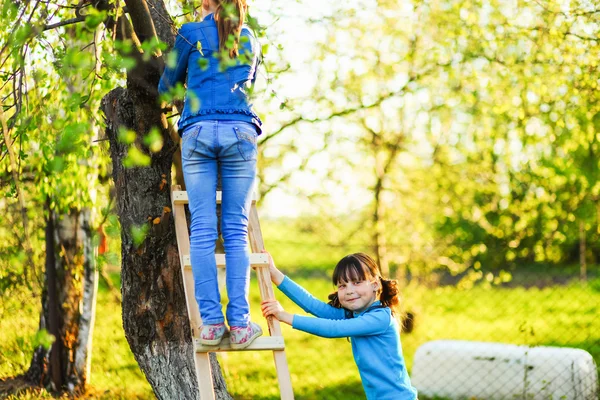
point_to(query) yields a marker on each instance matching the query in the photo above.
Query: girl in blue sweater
(362, 309)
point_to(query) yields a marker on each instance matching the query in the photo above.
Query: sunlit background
(455, 141)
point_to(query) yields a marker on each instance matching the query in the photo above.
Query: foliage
(471, 133)
(52, 94)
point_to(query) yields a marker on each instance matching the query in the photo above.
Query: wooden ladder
(260, 263)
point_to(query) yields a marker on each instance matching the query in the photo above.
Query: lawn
(561, 313)
(323, 368)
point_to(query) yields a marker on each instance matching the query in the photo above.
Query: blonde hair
(230, 16)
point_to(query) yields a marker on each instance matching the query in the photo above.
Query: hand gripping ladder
(260, 264)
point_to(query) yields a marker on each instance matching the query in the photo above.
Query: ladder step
(256, 260)
(181, 197)
(261, 343)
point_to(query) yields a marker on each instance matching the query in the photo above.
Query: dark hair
(359, 267)
(230, 16)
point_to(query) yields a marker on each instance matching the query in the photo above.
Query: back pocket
(189, 142)
(246, 136)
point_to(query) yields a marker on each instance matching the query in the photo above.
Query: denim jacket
(212, 94)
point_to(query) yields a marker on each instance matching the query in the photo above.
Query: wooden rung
(181, 197)
(261, 343)
(256, 260)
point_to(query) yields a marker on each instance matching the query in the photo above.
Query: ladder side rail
(266, 293)
(201, 360)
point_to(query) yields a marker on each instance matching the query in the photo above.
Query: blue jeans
(228, 146)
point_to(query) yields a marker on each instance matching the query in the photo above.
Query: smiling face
(357, 295)
(358, 282)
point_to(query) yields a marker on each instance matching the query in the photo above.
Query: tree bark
(68, 304)
(379, 231)
(379, 239)
(384, 154)
(155, 318)
(154, 311)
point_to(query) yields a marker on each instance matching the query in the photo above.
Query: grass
(558, 315)
(324, 368)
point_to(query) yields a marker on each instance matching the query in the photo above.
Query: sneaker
(242, 337)
(211, 334)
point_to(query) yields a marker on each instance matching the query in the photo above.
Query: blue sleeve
(251, 47)
(372, 323)
(308, 302)
(175, 75)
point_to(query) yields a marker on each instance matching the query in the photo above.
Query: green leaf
(9, 10)
(74, 102)
(136, 158)
(172, 59)
(230, 41)
(94, 18)
(138, 234)
(154, 140)
(112, 227)
(43, 338)
(112, 258)
(203, 64)
(194, 103)
(23, 33)
(152, 47)
(124, 46)
(126, 136)
(199, 47)
(56, 165)
(71, 139)
(119, 62)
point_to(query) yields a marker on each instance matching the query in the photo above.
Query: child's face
(357, 295)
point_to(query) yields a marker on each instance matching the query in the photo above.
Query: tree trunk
(154, 311)
(155, 318)
(379, 239)
(68, 304)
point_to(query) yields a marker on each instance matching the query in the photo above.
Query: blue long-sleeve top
(375, 338)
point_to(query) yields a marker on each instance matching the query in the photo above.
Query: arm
(372, 323)
(174, 74)
(276, 275)
(252, 48)
(301, 297)
(308, 302)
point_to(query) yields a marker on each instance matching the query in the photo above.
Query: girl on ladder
(362, 309)
(217, 59)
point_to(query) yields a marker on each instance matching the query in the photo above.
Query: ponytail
(390, 295)
(230, 16)
(334, 300)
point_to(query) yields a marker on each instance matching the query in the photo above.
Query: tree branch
(352, 110)
(64, 23)
(141, 19)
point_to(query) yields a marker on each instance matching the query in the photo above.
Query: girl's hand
(272, 308)
(276, 275)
